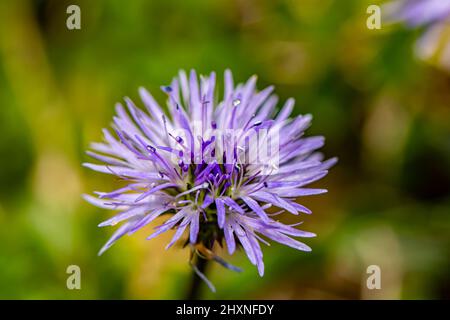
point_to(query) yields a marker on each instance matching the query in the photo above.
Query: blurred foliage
(385, 114)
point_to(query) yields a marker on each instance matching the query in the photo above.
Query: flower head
(212, 167)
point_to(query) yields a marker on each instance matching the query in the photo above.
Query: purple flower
(212, 167)
(434, 16)
(419, 12)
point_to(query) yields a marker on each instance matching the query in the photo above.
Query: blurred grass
(384, 113)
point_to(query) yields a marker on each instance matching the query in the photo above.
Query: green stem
(194, 290)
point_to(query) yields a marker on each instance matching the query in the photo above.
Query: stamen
(201, 186)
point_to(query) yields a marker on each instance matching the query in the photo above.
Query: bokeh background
(384, 112)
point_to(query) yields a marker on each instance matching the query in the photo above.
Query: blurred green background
(385, 114)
